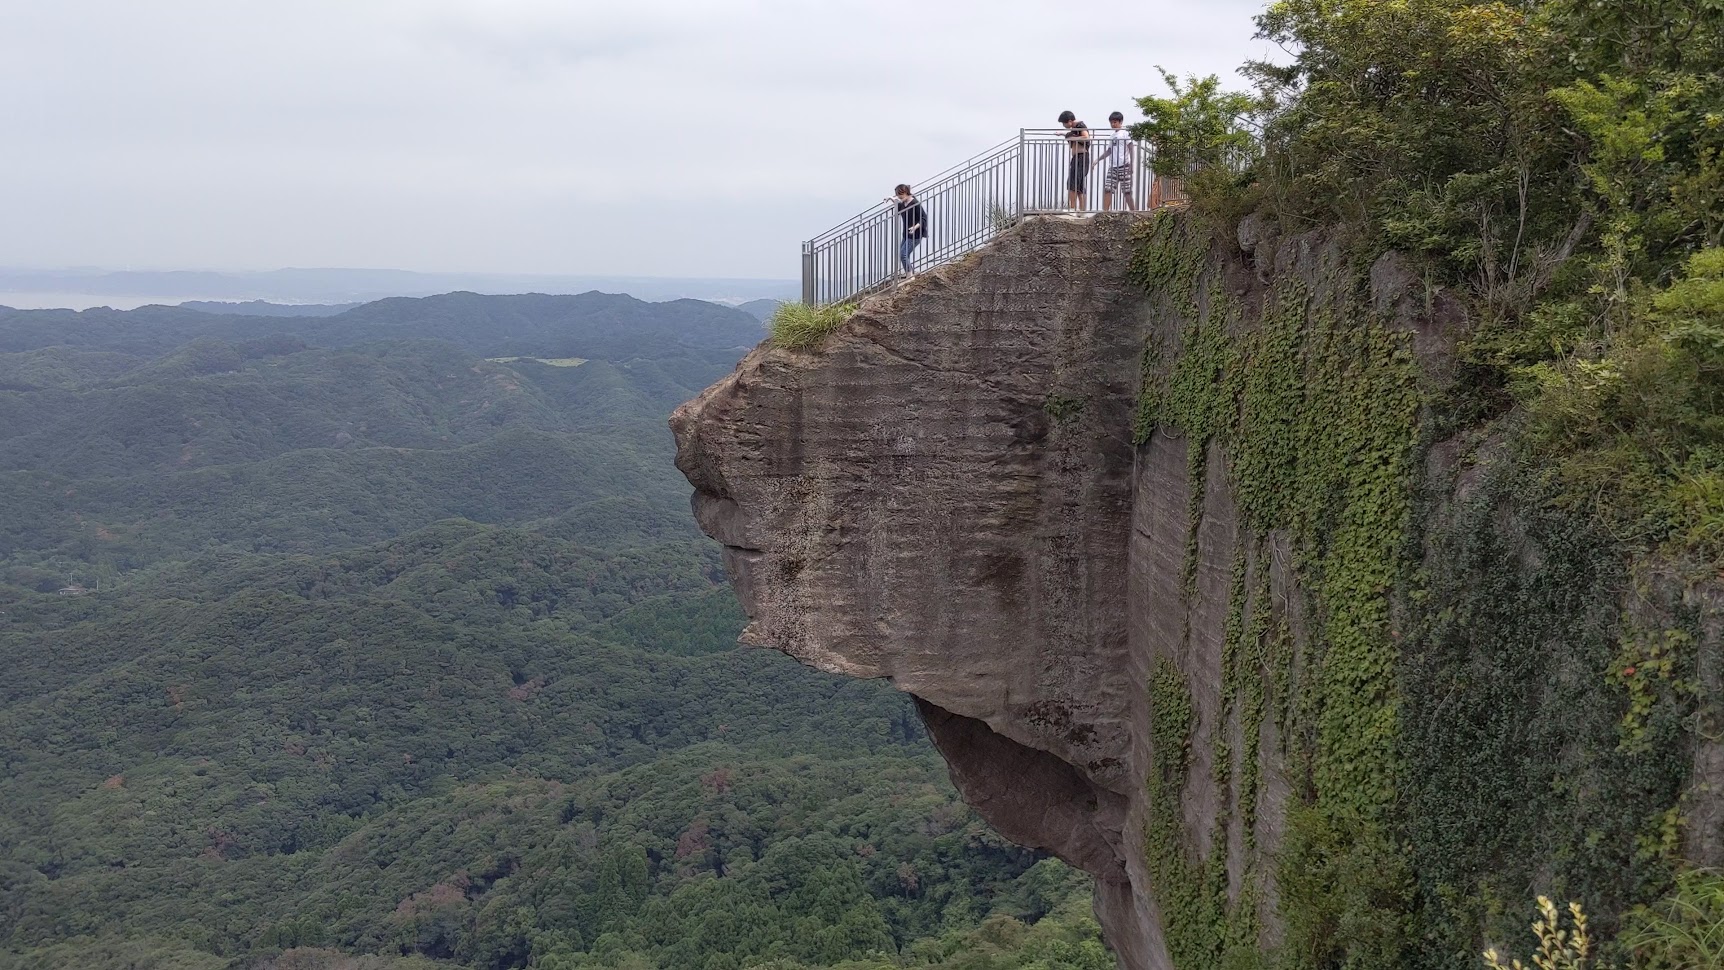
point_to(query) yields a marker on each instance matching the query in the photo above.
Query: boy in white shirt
(1120, 157)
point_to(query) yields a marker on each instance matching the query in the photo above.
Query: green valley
(385, 640)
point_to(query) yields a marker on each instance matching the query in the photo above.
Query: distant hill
(591, 325)
(93, 287)
(264, 308)
(761, 310)
(304, 433)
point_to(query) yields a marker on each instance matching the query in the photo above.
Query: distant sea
(117, 301)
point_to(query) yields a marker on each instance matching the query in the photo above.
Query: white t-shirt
(1118, 148)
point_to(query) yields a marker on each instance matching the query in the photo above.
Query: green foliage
(1635, 433)
(1067, 939)
(1316, 409)
(1495, 692)
(1654, 170)
(799, 325)
(1448, 129)
(1682, 931)
(1518, 771)
(1166, 259)
(1424, 121)
(1063, 408)
(111, 462)
(681, 625)
(1204, 140)
(1202, 928)
(1197, 126)
(1647, 35)
(456, 690)
(130, 953)
(1346, 892)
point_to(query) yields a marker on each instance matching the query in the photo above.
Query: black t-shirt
(1073, 136)
(912, 214)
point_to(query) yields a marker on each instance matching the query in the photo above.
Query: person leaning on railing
(915, 224)
(1077, 170)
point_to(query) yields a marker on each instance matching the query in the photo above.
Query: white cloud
(662, 137)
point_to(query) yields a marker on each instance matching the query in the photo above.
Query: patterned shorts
(1119, 177)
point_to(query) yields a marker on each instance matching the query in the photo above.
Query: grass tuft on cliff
(799, 325)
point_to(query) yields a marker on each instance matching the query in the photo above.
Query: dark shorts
(1077, 173)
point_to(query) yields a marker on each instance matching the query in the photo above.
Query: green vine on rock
(1163, 260)
(1315, 409)
(1652, 665)
(1192, 895)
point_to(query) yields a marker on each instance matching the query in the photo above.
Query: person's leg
(1075, 177)
(904, 248)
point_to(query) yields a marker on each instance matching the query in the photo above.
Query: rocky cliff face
(961, 491)
(942, 495)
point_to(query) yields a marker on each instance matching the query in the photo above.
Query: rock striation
(942, 495)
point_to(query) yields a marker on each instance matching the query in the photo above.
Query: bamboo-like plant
(1558, 949)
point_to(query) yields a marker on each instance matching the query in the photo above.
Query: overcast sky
(642, 137)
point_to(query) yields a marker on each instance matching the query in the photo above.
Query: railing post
(808, 294)
(1023, 175)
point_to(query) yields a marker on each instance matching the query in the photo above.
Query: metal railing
(971, 203)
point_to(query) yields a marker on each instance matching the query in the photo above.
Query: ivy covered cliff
(1331, 568)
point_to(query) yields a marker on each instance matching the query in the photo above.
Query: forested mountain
(600, 325)
(317, 288)
(264, 308)
(386, 637)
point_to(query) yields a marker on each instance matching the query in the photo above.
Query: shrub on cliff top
(801, 325)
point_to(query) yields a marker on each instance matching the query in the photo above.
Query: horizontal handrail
(922, 187)
(970, 203)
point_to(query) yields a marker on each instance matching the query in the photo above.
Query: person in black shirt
(915, 224)
(1077, 170)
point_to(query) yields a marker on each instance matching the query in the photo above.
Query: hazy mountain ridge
(349, 286)
(264, 308)
(607, 325)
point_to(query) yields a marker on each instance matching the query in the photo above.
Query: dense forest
(383, 639)
(1516, 545)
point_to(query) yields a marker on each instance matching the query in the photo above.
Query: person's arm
(917, 215)
(1096, 158)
